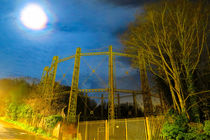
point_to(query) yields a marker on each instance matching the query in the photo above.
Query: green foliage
(19, 111)
(175, 127)
(24, 111)
(207, 127)
(12, 111)
(195, 132)
(51, 121)
(178, 127)
(27, 127)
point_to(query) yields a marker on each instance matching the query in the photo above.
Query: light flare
(34, 17)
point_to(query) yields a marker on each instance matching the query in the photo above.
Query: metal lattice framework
(48, 80)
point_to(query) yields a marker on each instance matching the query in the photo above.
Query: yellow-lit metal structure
(71, 116)
(148, 108)
(111, 107)
(48, 81)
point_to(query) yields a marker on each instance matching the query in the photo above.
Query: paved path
(10, 132)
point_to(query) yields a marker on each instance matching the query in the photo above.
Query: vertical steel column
(54, 70)
(71, 117)
(111, 87)
(44, 75)
(51, 76)
(50, 80)
(148, 108)
(43, 81)
(115, 87)
(135, 104)
(118, 106)
(102, 106)
(85, 107)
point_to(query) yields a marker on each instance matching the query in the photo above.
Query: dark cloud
(66, 28)
(70, 27)
(133, 3)
(119, 31)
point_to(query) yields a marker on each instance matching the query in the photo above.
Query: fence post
(126, 129)
(86, 124)
(107, 130)
(148, 129)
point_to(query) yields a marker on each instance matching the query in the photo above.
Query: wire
(99, 64)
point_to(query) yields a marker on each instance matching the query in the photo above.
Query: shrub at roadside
(51, 121)
(178, 127)
(22, 115)
(19, 111)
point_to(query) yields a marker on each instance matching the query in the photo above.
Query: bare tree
(172, 35)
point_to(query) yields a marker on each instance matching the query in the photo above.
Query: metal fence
(121, 129)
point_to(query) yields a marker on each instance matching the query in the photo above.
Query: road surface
(10, 132)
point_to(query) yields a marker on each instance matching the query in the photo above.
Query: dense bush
(178, 127)
(19, 111)
(12, 111)
(207, 127)
(175, 127)
(24, 112)
(51, 121)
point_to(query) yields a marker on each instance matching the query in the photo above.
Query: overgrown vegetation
(29, 128)
(19, 111)
(23, 105)
(51, 121)
(179, 127)
(23, 116)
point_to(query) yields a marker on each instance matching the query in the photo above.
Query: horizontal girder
(106, 90)
(97, 53)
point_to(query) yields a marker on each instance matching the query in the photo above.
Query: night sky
(89, 24)
(71, 23)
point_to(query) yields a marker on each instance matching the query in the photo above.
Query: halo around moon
(33, 17)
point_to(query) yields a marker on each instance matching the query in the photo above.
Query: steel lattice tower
(49, 74)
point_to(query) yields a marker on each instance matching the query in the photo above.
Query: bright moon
(33, 17)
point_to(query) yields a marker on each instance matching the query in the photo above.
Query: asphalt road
(10, 132)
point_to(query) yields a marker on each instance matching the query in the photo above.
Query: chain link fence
(121, 129)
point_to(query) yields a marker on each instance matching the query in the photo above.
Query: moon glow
(33, 17)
